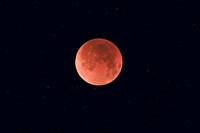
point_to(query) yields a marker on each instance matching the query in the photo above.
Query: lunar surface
(98, 61)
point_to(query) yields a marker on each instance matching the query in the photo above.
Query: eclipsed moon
(98, 61)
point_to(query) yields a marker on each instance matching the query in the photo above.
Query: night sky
(156, 91)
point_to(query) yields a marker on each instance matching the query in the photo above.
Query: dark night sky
(156, 91)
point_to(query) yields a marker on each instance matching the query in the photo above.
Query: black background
(156, 91)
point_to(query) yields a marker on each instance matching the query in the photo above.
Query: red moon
(98, 61)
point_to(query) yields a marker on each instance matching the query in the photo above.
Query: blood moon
(98, 61)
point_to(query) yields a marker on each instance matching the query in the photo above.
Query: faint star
(8, 92)
(193, 24)
(179, 45)
(53, 35)
(84, 107)
(36, 7)
(129, 101)
(178, 86)
(188, 85)
(62, 26)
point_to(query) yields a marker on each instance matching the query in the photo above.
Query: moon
(98, 61)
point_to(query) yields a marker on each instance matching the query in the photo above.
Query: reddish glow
(98, 61)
